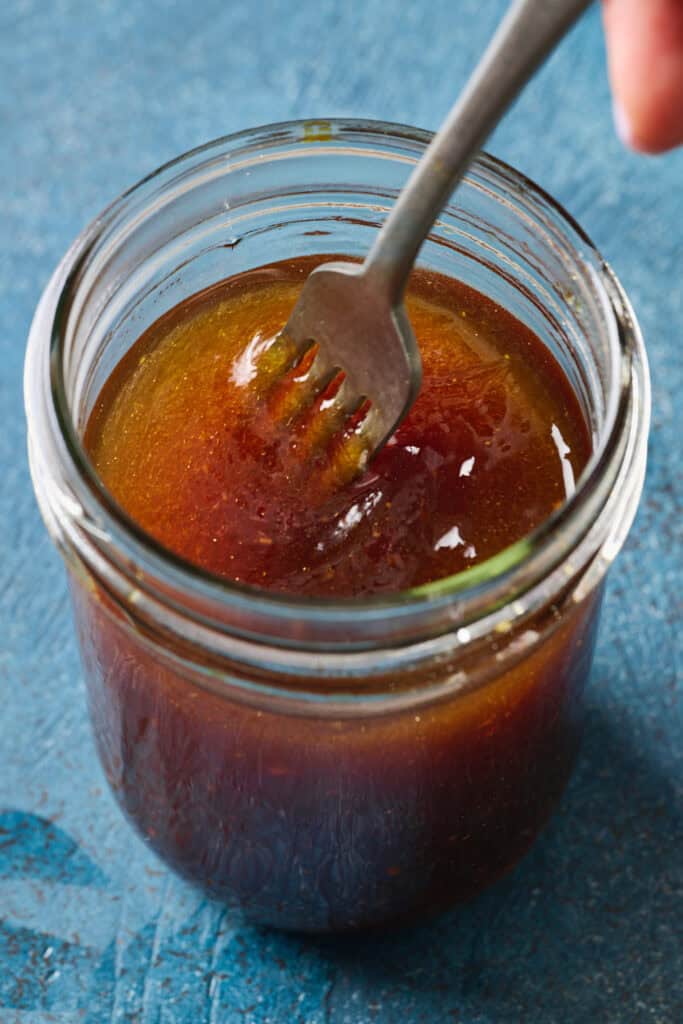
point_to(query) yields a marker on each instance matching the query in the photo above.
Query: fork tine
(295, 390)
(324, 417)
(275, 362)
(327, 421)
(350, 450)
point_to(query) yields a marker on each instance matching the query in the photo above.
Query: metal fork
(354, 314)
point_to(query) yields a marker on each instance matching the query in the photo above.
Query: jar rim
(497, 580)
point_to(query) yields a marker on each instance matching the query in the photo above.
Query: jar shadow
(589, 921)
(587, 928)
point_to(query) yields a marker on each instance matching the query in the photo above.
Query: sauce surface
(206, 460)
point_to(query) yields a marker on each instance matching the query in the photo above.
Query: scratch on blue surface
(39, 1017)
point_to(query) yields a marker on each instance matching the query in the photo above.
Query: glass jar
(333, 765)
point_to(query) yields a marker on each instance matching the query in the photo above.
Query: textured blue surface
(94, 94)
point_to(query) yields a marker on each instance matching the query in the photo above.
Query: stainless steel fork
(354, 314)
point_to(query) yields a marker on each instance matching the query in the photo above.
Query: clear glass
(333, 765)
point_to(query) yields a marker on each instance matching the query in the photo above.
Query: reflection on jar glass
(330, 765)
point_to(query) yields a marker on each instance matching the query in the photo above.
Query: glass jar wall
(331, 765)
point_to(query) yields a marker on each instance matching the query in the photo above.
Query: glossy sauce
(200, 455)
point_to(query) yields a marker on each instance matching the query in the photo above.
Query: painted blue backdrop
(93, 95)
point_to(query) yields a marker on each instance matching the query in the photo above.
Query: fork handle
(525, 37)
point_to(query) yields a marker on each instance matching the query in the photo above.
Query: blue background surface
(93, 95)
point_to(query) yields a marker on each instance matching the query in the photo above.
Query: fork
(349, 330)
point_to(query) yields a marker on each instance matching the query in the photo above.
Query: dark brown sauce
(313, 821)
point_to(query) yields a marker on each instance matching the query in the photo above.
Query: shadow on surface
(35, 847)
(587, 928)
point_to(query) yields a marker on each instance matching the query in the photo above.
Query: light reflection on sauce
(563, 450)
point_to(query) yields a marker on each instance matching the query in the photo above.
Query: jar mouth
(489, 586)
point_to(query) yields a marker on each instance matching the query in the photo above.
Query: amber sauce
(188, 445)
(312, 821)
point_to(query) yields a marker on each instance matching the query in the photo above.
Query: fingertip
(645, 52)
(650, 138)
(651, 134)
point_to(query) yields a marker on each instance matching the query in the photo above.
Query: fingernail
(622, 124)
